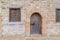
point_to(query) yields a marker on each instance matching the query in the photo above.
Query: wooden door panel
(35, 24)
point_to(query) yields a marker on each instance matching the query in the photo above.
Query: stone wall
(21, 30)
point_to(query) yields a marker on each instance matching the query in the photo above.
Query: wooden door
(36, 24)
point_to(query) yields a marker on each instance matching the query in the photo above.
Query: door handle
(32, 24)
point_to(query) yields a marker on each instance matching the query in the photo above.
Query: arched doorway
(36, 23)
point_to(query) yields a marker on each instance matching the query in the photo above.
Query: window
(57, 15)
(15, 15)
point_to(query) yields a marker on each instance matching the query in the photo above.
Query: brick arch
(36, 13)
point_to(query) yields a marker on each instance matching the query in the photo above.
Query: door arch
(35, 23)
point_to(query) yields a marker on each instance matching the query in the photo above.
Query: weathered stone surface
(21, 30)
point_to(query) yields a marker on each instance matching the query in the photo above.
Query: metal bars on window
(15, 15)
